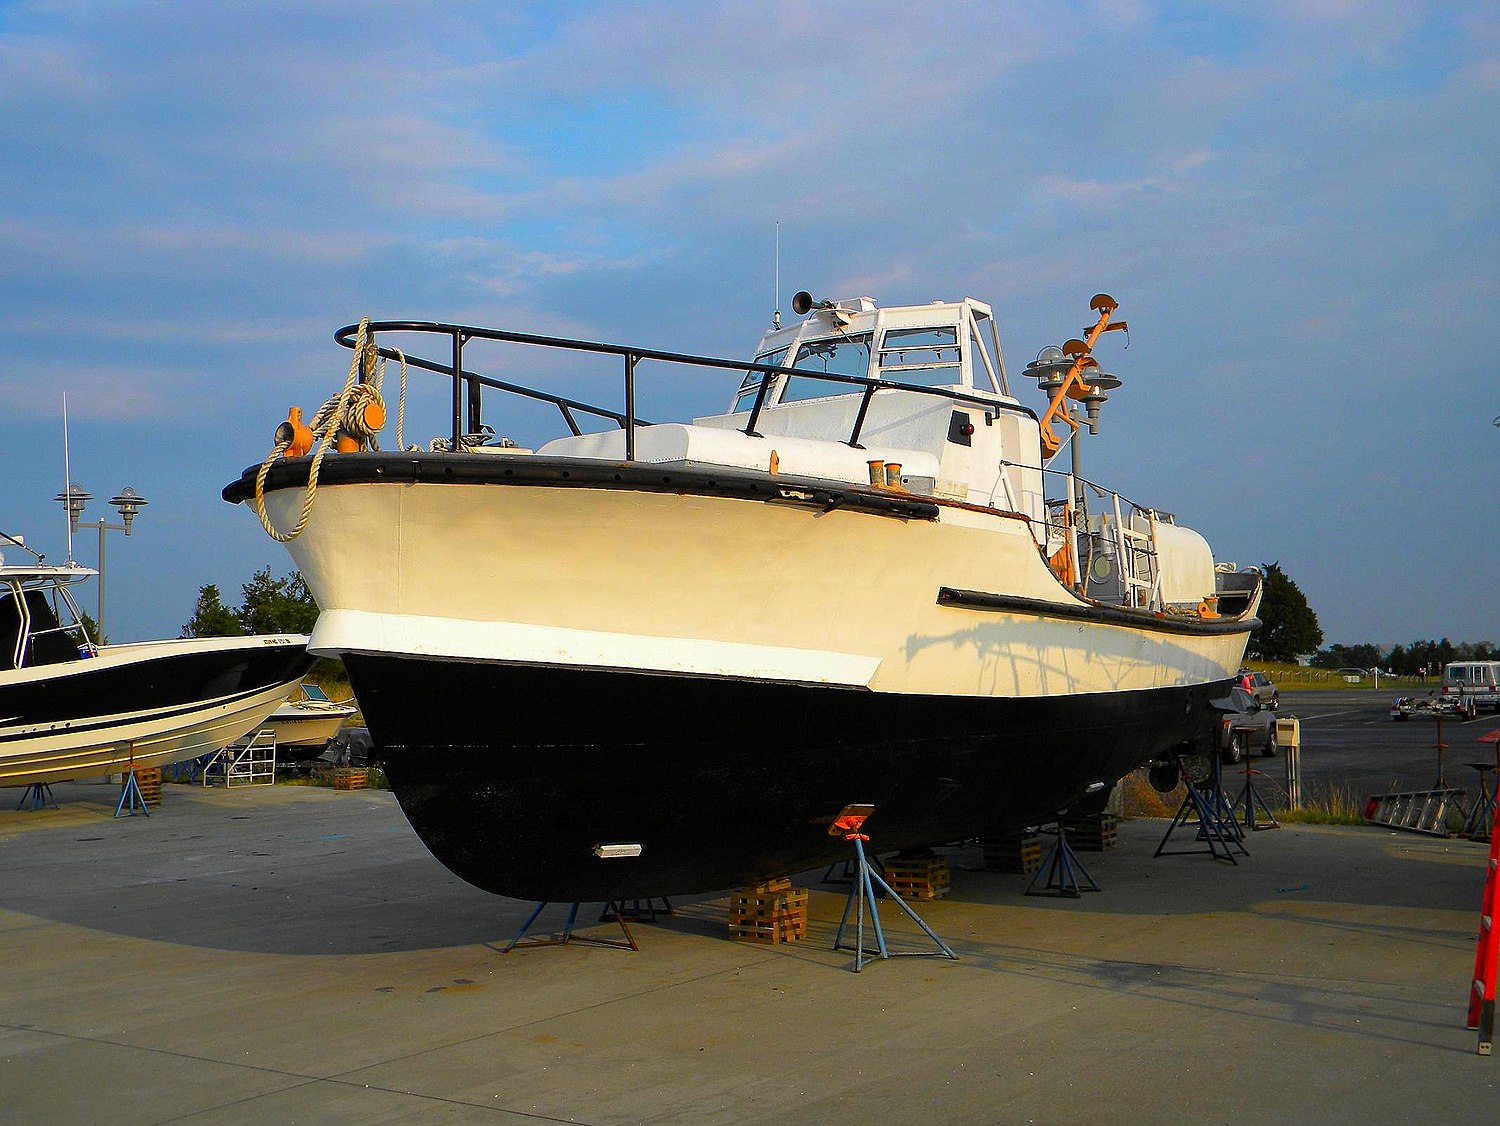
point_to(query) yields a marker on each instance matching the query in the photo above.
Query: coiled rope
(344, 412)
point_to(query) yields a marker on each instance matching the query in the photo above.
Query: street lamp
(128, 501)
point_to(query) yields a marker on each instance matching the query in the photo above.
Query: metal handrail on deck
(460, 335)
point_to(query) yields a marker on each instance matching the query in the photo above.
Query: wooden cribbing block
(350, 778)
(769, 912)
(148, 778)
(1017, 853)
(1093, 833)
(918, 877)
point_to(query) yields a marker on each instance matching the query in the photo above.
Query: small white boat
(70, 709)
(309, 722)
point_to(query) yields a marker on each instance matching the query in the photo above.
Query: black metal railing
(468, 385)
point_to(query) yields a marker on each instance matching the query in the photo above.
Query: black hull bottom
(512, 775)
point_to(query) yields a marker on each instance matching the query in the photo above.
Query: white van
(1469, 685)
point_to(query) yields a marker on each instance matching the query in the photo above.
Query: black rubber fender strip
(1092, 612)
(587, 473)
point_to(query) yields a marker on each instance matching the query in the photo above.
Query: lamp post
(129, 503)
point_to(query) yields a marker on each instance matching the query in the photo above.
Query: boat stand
(1207, 809)
(640, 910)
(36, 796)
(613, 911)
(847, 824)
(1481, 820)
(131, 800)
(1254, 805)
(1062, 868)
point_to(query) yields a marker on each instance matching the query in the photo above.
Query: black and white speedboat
(70, 709)
(661, 658)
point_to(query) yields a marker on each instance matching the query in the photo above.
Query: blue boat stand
(1062, 868)
(131, 799)
(1215, 823)
(1254, 804)
(36, 796)
(614, 911)
(865, 881)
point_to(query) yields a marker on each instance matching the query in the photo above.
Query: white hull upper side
(301, 726)
(661, 581)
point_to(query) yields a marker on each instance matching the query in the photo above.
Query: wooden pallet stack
(1017, 853)
(918, 877)
(350, 778)
(1094, 832)
(148, 778)
(769, 912)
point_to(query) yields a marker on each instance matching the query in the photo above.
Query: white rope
(343, 412)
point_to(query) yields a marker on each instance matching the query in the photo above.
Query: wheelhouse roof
(853, 316)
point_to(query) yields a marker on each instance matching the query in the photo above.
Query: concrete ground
(294, 955)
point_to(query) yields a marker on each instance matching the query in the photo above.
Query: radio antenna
(776, 303)
(67, 474)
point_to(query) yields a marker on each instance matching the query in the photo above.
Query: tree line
(269, 605)
(1290, 631)
(1405, 660)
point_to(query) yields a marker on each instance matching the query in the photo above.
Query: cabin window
(745, 399)
(979, 373)
(928, 356)
(839, 355)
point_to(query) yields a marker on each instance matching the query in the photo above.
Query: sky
(1295, 204)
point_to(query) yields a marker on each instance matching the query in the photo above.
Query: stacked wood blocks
(350, 778)
(918, 877)
(1017, 853)
(148, 778)
(770, 912)
(1093, 833)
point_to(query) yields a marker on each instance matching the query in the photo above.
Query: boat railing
(1117, 533)
(35, 621)
(468, 386)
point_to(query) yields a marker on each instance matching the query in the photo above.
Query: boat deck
(295, 954)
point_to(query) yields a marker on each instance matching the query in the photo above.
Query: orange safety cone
(1486, 957)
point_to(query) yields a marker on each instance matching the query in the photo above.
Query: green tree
(211, 618)
(272, 605)
(1289, 628)
(92, 628)
(1364, 656)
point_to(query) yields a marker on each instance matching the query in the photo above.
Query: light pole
(128, 501)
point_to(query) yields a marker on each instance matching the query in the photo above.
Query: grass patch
(1335, 806)
(1290, 678)
(1140, 799)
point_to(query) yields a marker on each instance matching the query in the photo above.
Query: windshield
(836, 355)
(744, 399)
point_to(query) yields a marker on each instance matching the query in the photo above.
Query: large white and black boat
(70, 709)
(661, 658)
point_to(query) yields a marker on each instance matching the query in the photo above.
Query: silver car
(1246, 725)
(1262, 687)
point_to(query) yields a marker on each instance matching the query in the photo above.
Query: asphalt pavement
(290, 954)
(1350, 742)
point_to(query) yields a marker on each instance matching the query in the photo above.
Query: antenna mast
(776, 297)
(67, 474)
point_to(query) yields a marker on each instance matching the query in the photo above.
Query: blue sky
(1294, 203)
